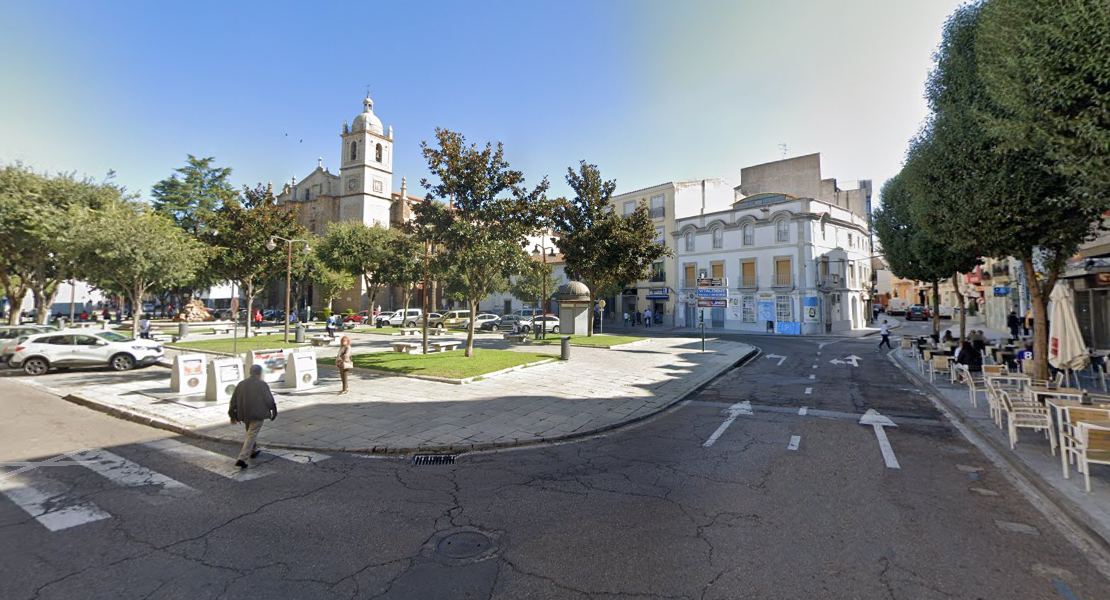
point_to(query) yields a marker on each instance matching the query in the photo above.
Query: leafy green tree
(601, 248)
(194, 193)
(328, 284)
(532, 280)
(238, 232)
(480, 235)
(128, 247)
(358, 250)
(1045, 66)
(403, 264)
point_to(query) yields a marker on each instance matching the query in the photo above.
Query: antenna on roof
(782, 148)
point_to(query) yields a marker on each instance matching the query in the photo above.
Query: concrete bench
(405, 347)
(407, 332)
(520, 338)
(444, 346)
(436, 331)
(220, 329)
(320, 340)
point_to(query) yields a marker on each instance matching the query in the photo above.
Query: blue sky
(650, 91)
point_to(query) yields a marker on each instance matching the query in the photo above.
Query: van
(451, 318)
(407, 318)
(896, 306)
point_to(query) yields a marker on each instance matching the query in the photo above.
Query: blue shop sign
(659, 294)
(1001, 290)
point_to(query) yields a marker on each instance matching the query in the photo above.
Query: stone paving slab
(596, 390)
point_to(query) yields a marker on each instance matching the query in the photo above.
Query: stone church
(362, 190)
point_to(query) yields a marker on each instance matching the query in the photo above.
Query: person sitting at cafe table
(948, 337)
(967, 355)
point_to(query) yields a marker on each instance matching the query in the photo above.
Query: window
(783, 272)
(849, 240)
(659, 235)
(658, 274)
(718, 269)
(354, 150)
(749, 234)
(782, 233)
(56, 340)
(689, 237)
(86, 340)
(747, 273)
(629, 207)
(718, 237)
(657, 211)
(784, 309)
(747, 308)
(690, 276)
(378, 152)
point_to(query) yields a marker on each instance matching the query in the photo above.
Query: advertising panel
(301, 371)
(272, 361)
(188, 376)
(223, 375)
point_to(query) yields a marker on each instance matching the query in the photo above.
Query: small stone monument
(574, 308)
(194, 312)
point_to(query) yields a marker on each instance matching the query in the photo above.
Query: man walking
(1014, 323)
(328, 326)
(884, 330)
(251, 403)
(647, 317)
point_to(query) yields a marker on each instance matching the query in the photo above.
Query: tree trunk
(248, 286)
(962, 303)
(136, 294)
(936, 309)
(15, 295)
(1039, 297)
(470, 303)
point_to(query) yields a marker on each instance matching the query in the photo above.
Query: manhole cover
(464, 544)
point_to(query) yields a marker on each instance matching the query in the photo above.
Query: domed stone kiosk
(574, 308)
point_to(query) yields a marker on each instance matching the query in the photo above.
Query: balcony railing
(658, 277)
(749, 281)
(784, 280)
(658, 212)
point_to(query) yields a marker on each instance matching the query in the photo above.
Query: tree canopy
(194, 193)
(358, 250)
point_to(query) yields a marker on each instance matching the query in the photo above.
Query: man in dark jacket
(1013, 322)
(251, 403)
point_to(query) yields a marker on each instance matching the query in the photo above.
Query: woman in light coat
(343, 361)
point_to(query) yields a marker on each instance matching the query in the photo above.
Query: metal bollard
(565, 347)
(182, 329)
(298, 336)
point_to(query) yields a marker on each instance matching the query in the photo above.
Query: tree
(1046, 65)
(403, 264)
(480, 234)
(533, 280)
(194, 193)
(238, 233)
(129, 247)
(328, 284)
(358, 250)
(601, 248)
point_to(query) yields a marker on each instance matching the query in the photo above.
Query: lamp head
(270, 245)
(536, 250)
(307, 250)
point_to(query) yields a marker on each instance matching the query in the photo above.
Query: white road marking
(803, 411)
(48, 502)
(809, 390)
(814, 366)
(878, 421)
(123, 472)
(740, 408)
(209, 461)
(794, 441)
(781, 358)
(813, 376)
(301, 456)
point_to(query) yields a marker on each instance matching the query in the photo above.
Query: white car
(548, 322)
(407, 318)
(11, 336)
(480, 320)
(40, 352)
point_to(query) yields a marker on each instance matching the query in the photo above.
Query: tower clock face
(351, 183)
(377, 186)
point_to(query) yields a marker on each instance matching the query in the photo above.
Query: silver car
(12, 335)
(40, 352)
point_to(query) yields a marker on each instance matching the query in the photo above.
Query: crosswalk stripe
(48, 502)
(299, 456)
(795, 440)
(123, 472)
(209, 461)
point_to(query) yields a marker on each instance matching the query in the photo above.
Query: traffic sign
(711, 292)
(712, 302)
(716, 282)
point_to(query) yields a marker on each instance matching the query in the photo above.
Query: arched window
(782, 233)
(378, 152)
(689, 241)
(354, 150)
(749, 234)
(718, 238)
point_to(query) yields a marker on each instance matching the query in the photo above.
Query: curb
(1074, 515)
(387, 450)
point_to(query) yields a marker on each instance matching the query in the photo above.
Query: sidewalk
(1032, 458)
(597, 389)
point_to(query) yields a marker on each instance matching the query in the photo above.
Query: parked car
(945, 312)
(360, 317)
(451, 318)
(479, 320)
(917, 311)
(41, 352)
(408, 317)
(549, 323)
(11, 336)
(896, 306)
(504, 323)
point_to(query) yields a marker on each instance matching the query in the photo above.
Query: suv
(408, 317)
(451, 318)
(40, 352)
(505, 322)
(917, 311)
(550, 323)
(11, 336)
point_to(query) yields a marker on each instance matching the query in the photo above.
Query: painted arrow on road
(851, 360)
(740, 408)
(878, 421)
(781, 358)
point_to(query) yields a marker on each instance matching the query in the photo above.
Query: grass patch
(600, 340)
(261, 342)
(451, 365)
(374, 330)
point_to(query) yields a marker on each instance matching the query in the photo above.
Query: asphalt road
(778, 505)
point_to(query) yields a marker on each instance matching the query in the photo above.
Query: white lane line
(123, 472)
(209, 461)
(740, 408)
(809, 390)
(794, 441)
(300, 456)
(814, 366)
(803, 411)
(48, 502)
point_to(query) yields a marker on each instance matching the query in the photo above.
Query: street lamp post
(271, 246)
(542, 250)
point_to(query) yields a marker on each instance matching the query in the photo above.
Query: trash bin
(182, 329)
(378, 321)
(299, 335)
(565, 347)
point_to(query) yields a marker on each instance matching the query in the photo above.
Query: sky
(649, 90)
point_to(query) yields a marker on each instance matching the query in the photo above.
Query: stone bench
(407, 332)
(520, 338)
(220, 329)
(320, 340)
(405, 347)
(444, 346)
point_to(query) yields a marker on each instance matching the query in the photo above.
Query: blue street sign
(708, 292)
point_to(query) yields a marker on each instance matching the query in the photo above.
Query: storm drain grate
(464, 544)
(424, 460)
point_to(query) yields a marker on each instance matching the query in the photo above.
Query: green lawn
(374, 330)
(598, 340)
(451, 365)
(261, 342)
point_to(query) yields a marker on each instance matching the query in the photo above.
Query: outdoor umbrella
(1066, 349)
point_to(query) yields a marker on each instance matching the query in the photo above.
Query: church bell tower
(367, 169)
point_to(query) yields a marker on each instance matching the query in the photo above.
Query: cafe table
(1058, 406)
(1042, 393)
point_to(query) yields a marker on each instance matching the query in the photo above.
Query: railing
(658, 276)
(657, 213)
(749, 281)
(784, 280)
(1000, 270)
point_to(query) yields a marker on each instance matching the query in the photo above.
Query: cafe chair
(1023, 415)
(996, 384)
(1071, 446)
(939, 364)
(974, 381)
(1092, 446)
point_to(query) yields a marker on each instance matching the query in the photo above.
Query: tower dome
(366, 120)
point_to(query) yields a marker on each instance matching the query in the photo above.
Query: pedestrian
(1014, 323)
(948, 339)
(251, 404)
(107, 315)
(884, 330)
(626, 318)
(639, 318)
(969, 356)
(84, 316)
(144, 328)
(343, 362)
(647, 317)
(328, 326)
(257, 317)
